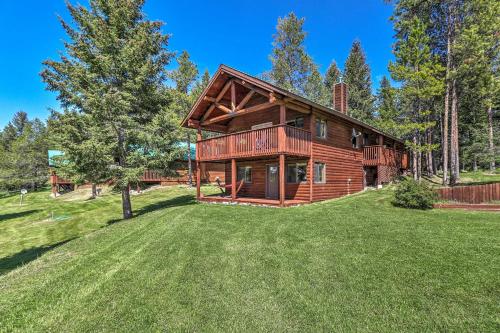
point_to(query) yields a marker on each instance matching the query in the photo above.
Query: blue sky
(236, 33)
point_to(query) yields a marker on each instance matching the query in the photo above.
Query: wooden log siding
(474, 194)
(261, 142)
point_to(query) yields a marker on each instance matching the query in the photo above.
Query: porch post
(198, 164)
(198, 180)
(311, 161)
(233, 179)
(282, 180)
(282, 156)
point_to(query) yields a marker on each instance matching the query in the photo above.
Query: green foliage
(357, 76)
(410, 193)
(113, 71)
(23, 153)
(388, 113)
(291, 65)
(332, 76)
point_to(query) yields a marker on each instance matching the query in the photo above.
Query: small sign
(24, 191)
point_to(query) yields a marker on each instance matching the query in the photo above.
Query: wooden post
(233, 179)
(198, 180)
(282, 180)
(311, 160)
(198, 164)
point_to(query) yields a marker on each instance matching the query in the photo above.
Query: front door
(272, 181)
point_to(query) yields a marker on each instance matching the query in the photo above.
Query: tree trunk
(415, 162)
(491, 143)
(430, 160)
(126, 204)
(190, 167)
(474, 163)
(454, 158)
(444, 133)
(94, 190)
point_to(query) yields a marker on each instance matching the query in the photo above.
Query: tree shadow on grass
(183, 200)
(25, 256)
(9, 216)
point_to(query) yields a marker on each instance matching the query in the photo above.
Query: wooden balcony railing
(273, 140)
(379, 155)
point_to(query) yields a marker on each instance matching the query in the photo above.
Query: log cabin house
(281, 149)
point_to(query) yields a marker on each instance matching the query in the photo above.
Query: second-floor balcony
(280, 139)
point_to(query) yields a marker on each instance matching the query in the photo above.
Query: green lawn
(354, 264)
(468, 178)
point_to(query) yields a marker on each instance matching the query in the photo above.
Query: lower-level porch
(251, 201)
(276, 180)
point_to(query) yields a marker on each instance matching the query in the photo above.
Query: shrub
(412, 194)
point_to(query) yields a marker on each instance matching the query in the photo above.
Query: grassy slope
(352, 264)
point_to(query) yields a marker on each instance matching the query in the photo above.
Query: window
(296, 172)
(355, 139)
(297, 122)
(319, 172)
(244, 173)
(320, 128)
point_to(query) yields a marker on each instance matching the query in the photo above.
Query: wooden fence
(474, 194)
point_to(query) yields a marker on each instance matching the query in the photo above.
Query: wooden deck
(252, 201)
(274, 140)
(380, 155)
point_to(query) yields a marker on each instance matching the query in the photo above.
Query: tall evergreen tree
(291, 65)
(332, 77)
(388, 115)
(315, 90)
(357, 76)
(113, 71)
(184, 77)
(24, 162)
(420, 74)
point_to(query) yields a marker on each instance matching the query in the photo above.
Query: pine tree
(184, 77)
(24, 162)
(388, 115)
(291, 65)
(358, 79)
(87, 154)
(332, 77)
(420, 74)
(113, 71)
(314, 89)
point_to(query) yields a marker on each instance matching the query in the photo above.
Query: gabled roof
(224, 73)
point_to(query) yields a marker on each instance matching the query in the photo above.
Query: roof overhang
(219, 82)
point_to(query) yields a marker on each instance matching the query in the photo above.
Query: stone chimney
(340, 97)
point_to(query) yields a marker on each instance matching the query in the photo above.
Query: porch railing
(272, 140)
(379, 155)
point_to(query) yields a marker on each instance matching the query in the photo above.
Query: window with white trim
(296, 172)
(319, 172)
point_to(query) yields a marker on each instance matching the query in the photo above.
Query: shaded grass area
(354, 264)
(42, 222)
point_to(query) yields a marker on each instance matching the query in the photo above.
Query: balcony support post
(282, 180)
(198, 164)
(311, 160)
(233, 179)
